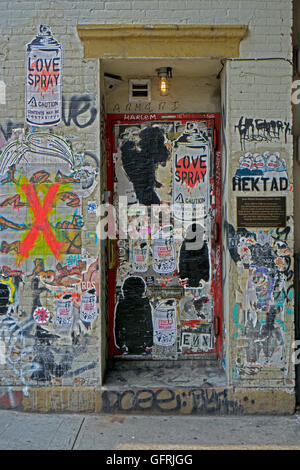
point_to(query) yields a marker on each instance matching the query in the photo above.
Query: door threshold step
(194, 373)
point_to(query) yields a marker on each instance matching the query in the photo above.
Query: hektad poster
(43, 94)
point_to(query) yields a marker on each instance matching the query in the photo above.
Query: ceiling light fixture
(164, 73)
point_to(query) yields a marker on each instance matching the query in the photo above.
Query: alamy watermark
(2, 92)
(125, 221)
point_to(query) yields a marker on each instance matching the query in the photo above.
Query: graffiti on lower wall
(49, 284)
(263, 255)
(164, 400)
(264, 298)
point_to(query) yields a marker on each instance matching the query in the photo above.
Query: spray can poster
(43, 94)
(164, 323)
(191, 160)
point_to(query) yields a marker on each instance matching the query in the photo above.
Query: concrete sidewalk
(31, 431)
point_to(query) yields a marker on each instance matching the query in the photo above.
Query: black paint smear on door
(141, 160)
(133, 321)
(194, 258)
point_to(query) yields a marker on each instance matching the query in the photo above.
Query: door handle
(215, 231)
(112, 253)
(216, 325)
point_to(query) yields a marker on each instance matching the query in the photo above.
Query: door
(165, 265)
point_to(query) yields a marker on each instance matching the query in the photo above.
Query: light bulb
(163, 86)
(164, 73)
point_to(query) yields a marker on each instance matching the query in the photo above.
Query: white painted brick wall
(265, 86)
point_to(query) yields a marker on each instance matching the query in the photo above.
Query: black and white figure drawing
(194, 257)
(133, 318)
(140, 158)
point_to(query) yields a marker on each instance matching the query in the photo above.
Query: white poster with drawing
(43, 92)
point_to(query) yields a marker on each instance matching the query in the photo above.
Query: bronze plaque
(261, 212)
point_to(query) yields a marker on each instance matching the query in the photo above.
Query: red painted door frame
(213, 121)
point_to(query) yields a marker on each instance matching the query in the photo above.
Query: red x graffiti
(41, 223)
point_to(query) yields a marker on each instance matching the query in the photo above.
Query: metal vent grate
(139, 90)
